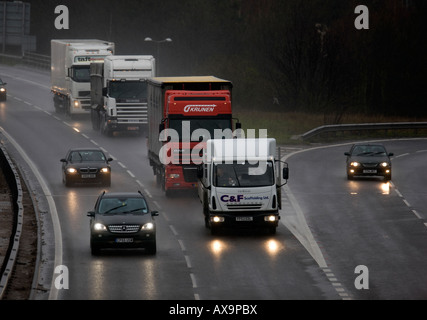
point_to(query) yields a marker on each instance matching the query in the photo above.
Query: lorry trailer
(184, 112)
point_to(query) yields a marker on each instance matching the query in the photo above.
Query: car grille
(124, 228)
(370, 165)
(88, 170)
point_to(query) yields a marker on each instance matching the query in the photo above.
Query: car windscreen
(85, 156)
(122, 206)
(369, 151)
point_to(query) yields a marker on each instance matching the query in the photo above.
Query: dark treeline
(293, 55)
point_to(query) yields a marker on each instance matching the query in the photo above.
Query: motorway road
(329, 225)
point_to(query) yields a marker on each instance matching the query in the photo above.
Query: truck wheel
(214, 230)
(94, 115)
(104, 129)
(272, 230)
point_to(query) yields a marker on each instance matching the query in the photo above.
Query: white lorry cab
(119, 93)
(240, 183)
(70, 72)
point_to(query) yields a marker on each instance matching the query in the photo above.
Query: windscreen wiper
(108, 211)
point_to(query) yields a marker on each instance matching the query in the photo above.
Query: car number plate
(369, 171)
(88, 176)
(124, 240)
(244, 218)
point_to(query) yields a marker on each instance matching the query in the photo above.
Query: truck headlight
(270, 218)
(217, 219)
(76, 104)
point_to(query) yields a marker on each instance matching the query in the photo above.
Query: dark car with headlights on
(3, 93)
(368, 160)
(122, 220)
(86, 165)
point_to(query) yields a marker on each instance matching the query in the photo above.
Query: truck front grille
(132, 113)
(249, 206)
(190, 173)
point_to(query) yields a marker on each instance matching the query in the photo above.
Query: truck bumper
(244, 219)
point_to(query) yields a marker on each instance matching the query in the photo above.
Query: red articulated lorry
(183, 113)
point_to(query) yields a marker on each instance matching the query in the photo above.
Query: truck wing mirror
(161, 127)
(285, 173)
(104, 92)
(200, 172)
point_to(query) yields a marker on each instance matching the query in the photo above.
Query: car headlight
(384, 164)
(71, 170)
(104, 170)
(99, 227)
(270, 218)
(148, 226)
(354, 164)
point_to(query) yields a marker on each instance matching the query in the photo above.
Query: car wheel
(67, 182)
(152, 248)
(387, 177)
(107, 182)
(95, 250)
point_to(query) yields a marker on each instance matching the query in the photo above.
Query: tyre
(95, 250)
(151, 248)
(94, 116)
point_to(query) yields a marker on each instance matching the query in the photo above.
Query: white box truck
(119, 93)
(70, 77)
(240, 183)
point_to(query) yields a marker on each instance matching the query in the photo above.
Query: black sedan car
(122, 220)
(368, 160)
(86, 165)
(3, 92)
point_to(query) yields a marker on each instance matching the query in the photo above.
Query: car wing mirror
(391, 154)
(347, 154)
(154, 213)
(91, 213)
(63, 160)
(109, 159)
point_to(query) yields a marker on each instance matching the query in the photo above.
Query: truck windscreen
(239, 175)
(186, 127)
(128, 91)
(80, 73)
